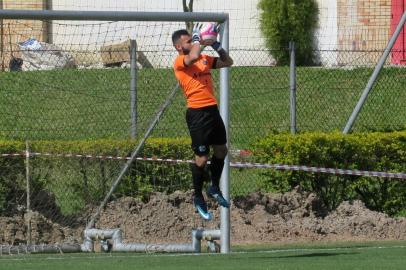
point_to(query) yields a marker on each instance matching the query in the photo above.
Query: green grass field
(90, 104)
(354, 256)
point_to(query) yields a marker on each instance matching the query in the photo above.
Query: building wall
(398, 54)
(14, 31)
(327, 32)
(364, 28)
(347, 28)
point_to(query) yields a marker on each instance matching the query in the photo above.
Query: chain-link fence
(88, 98)
(95, 103)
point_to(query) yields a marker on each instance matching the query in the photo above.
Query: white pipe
(34, 249)
(153, 248)
(87, 245)
(102, 234)
(200, 234)
(116, 235)
(206, 234)
(91, 235)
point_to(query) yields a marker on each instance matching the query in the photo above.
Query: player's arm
(224, 59)
(195, 50)
(193, 54)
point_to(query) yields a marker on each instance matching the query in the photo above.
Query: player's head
(182, 41)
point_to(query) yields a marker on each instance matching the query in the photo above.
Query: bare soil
(257, 218)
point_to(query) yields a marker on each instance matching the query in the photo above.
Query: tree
(289, 20)
(188, 8)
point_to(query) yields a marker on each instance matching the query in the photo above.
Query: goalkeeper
(206, 127)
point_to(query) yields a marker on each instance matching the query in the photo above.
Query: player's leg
(198, 179)
(217, 163)
(218, 139)
(198, 134)
(216, 168)
(198, 171)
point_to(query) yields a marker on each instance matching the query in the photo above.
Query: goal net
(93, 126)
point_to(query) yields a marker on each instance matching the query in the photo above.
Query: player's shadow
(309, 255)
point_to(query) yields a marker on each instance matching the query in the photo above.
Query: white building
(244, 25)
(347, 28)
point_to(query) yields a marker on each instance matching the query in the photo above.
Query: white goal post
(162, 17)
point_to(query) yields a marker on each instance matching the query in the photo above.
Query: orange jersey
(196, 81)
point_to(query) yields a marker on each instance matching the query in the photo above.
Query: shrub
(12, 184)
(363, 151)
(289, 20)
(64, 186)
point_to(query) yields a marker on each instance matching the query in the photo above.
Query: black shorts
(206, 128)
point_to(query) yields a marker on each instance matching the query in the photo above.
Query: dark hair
(177, 34)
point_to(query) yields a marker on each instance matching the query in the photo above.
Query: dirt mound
(354, 220)
(256, 218)
(43, 231)
(290, 221)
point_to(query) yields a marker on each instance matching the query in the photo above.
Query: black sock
(197, 175)
(216, 168)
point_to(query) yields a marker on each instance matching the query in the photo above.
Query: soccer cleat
(201, 208)
(215, 193)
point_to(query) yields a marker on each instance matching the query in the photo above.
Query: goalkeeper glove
(196, 33)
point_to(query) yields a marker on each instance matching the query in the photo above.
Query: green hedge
(66, 185)
(12, 176)
(364, 151)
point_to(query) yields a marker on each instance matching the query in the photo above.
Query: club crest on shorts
(202, 148)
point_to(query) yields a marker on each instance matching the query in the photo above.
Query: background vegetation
(74, 183)
(88, 112)
(283, 21)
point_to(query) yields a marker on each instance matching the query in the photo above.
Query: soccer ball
(209, 31)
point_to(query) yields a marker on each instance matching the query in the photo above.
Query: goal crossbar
(112, 15)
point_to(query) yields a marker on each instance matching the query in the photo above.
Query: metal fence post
(28, 187)
(374, 76)
(2, 64)
(292, 75)
(133, 87)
